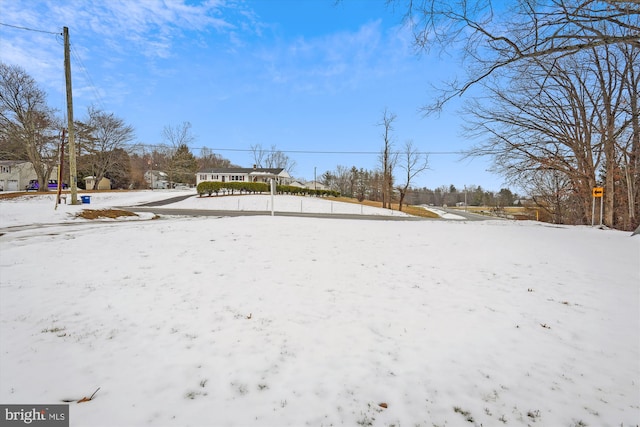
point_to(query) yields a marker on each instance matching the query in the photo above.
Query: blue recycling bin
(85, 199)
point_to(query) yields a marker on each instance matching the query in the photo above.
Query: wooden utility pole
(73, 173)
(60, 176)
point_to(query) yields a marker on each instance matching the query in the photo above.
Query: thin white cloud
(110, 32)
(148, 26)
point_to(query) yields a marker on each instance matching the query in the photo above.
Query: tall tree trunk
(632, 169)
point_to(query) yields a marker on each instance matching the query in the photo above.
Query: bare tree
(387, 157)
(537, 123)
(272, 158)
(552, 191)
(11, 148)
(342, 180)
(208, 159)
(119, 174)
(181, 164)
(26, 122)
(110, 134)
(493, 39)
(258, 155)
(570, 115)
(413, 163)
(178, 135)
(629, 143)
(352, 182)
(614, 70)
(278, 159)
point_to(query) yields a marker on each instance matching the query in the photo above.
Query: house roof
(12, 162)
(274, 171)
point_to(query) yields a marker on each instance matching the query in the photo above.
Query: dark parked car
(52, 185)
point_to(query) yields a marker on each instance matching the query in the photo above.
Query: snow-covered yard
(41, 209)
(276, 321)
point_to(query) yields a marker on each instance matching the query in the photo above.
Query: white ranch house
(281, 176)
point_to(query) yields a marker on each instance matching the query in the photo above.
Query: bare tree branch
(530, 30)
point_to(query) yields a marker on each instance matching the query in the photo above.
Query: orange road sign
(598, 191)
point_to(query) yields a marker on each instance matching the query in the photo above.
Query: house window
(6, 169)
(203, 177)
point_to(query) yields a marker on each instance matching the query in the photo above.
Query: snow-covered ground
(281, 321)
(282, 203)
(42, 208)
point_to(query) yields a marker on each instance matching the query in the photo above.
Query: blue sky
(303, 75)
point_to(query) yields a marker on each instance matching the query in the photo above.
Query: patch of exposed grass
(15, 195)
(103, 213)
(411, 210)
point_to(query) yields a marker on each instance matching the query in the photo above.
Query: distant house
(297, 184)
(316, 185)
(156, 179)
(16, 174)
(104, 184)
(281, 176)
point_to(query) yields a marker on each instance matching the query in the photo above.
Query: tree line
(365, 184)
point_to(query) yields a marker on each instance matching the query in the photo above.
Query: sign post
(597, 193)
(273, 190)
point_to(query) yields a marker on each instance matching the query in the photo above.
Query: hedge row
(210, 187)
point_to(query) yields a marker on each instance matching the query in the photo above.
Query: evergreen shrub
(210, 187)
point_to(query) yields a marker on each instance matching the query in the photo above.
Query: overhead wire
(249, 150)
(94, 89)
(28, 29)
(74, 54)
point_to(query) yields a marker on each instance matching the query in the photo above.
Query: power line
(76, 56)
(29, 29)
(248, 150)
(334, 152)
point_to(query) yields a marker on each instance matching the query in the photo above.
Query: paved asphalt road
(168, 201)
(156, 208)
(223, 213)
(469, 216)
